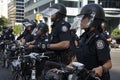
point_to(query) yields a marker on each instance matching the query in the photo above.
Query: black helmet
(94, 13)
(60, 7)
(90, 8)
(10, 30)
(27, 23)
(43, 27)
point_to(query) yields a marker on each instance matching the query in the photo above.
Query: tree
(3, 21)
(116, 32)
(17, 29)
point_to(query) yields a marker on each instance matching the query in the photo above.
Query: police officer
(7, 34)
(26, 36)
(94, 50)
(42, 36)
(60, 33)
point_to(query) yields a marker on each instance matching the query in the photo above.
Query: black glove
(42, 46)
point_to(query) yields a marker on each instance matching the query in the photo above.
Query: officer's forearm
(60, 45)
(107, 66)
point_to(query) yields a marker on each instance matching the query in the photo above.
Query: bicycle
(75, 72)
(6, 53)
(18, 72)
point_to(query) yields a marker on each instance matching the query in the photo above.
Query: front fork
(33, 74)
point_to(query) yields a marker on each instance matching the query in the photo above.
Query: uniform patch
(100, 44)
(64, 28)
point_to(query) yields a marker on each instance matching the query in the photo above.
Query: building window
(91, 2)
(110, 3)
(19, 10)
(19, 7)
(19, 17)
(20, 14)
(19, 3)
(70, 3)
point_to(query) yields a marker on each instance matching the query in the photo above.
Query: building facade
(32, 7)
(15, 12)
(111, 8)
(4, 8)
(112, 13)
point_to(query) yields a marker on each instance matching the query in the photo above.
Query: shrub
(17, 29)
(116, 32)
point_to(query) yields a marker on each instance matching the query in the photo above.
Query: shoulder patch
(100, 44)
(64, 28)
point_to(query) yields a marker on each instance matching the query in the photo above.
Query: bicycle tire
(17, 76)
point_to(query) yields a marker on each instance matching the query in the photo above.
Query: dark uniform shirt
(44, 39)
(27, 36)
(94, 51)
(60, 32)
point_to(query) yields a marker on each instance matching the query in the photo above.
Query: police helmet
(5, 30)
(93, 12)
(43, 28)
(27, 23)
(10, 30)
(60, 7)
(93, 8)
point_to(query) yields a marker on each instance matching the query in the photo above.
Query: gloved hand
(42, 46)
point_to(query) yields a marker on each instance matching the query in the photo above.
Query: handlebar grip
(95, 76)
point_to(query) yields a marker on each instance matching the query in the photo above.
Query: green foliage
(116, 32)
(17, 29)
(3, 21)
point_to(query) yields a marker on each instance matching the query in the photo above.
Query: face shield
(78, 21)
(49, 12)
(26, 24)
(76, 24)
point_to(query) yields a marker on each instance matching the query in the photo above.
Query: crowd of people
(91, 48)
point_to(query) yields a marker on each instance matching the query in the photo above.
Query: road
(4, 73)
(114, 72)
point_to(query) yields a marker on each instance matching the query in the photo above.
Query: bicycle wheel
(17, 76)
